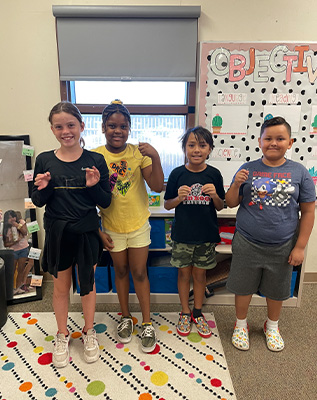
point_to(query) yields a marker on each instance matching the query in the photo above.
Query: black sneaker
(125, 329)
(148, 337)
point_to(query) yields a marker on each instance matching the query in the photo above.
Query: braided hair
(116, 106)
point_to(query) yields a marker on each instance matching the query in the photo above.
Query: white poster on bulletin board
(241, 84)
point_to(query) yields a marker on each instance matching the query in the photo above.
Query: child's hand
(106, 240)
(296, 257)
(41, 180)
(209, 189)
(92, 176)
(183, 192)
(147, 150)
(241, 177)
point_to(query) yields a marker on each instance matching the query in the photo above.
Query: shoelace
(124, 324)
(148, 332)
(61, 344)
(90, 341)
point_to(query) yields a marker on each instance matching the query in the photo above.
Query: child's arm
(97, 183)
(306, 224)
(43, 188)
(153, 174)
(183, 191)
(210, 189)
(8, 239)
(233, 198)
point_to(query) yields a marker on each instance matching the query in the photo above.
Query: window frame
(188, 109)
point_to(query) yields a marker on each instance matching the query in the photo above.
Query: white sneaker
(61, 350)
(91, 346)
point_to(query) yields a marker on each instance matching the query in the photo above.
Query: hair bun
(116, 101)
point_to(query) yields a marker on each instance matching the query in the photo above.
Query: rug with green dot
(185, 368)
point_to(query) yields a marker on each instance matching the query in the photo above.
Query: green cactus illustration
(217, 120)
(314, 124)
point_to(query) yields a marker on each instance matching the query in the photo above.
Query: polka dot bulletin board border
(178, 368)
(241, 84)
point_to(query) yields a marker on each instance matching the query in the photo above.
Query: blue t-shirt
(269, 211)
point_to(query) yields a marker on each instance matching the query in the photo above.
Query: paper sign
(28, 175)
(232, 98)
(231, 120)
(33, 226)
(314, 152)
(284, 98)
(28, 203)
(34, 253)
(36, 280)
(226, 152)
(27, 150)
(313, 122)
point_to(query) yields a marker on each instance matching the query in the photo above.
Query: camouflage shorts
(198, 255)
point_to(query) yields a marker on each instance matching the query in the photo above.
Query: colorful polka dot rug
(186, 368)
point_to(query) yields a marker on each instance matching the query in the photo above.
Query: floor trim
(310, 277)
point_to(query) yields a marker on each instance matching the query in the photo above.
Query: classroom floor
(257, 374)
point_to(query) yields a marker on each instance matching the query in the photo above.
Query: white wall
(29, 83)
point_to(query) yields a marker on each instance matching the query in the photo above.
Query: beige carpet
(179, 368)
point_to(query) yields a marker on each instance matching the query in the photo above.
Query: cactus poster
(242, 83)
(231, 120)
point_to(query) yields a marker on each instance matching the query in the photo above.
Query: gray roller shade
(127, 42)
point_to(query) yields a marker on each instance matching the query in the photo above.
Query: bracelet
(19, 226)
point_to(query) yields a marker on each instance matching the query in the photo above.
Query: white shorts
(135, 239)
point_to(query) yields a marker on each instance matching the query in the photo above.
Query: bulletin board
(242, 84)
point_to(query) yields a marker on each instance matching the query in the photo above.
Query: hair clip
(116, 101)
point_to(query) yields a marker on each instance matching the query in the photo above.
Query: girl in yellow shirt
(126, 229)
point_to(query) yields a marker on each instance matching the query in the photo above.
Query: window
(161, 118)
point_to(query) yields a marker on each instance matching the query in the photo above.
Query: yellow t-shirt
(129, 208)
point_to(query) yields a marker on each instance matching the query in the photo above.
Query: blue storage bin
(102, 280)
(157, 233)
(113, 284)
(162, 276)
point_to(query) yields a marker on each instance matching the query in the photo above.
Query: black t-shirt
(196, 217)
(66, 196)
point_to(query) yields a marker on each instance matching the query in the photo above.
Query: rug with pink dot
(187, 368)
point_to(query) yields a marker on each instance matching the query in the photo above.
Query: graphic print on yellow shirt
(121, 178)
(129, 208)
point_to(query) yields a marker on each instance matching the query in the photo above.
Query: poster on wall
(241, 84)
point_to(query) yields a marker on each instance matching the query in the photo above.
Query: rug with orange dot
(178, 368)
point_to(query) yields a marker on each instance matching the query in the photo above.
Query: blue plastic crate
(163, 279)
(113, 284)
(157, 233)
(102, 280)
(162, 276)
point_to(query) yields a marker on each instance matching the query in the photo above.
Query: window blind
(156, 43)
